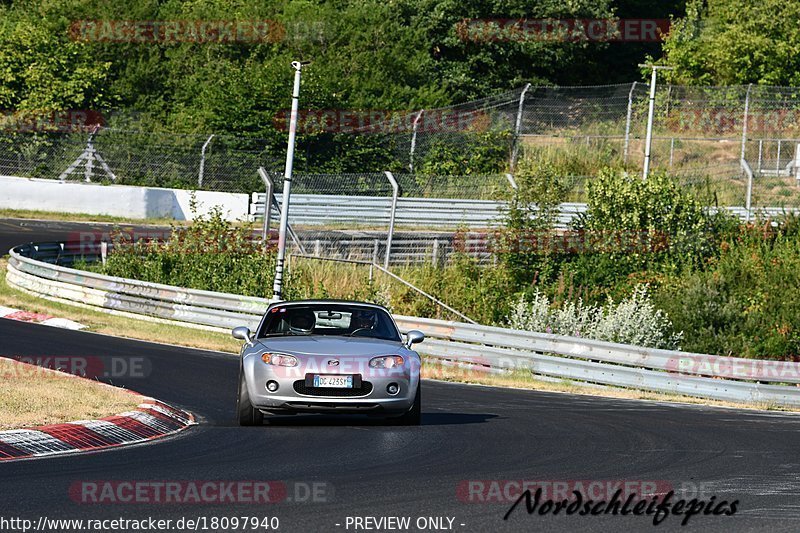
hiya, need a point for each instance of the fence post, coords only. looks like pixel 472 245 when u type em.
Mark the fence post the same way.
pixel 435 252
pixel 628 122
pixel 203 162
pixel 518 127
pixel 778 160
pixel 797 162
pixel 744 121
pixel 760 153
pixel 375 247
pixel 749 194
pixel 651 111
pixel 414 140
pixel 511 181
pixel 395 194
pixel 269 188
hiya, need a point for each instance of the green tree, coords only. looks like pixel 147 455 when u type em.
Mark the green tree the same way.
pixel 722 42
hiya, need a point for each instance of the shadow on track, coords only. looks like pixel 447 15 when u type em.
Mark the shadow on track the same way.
pixel 311 420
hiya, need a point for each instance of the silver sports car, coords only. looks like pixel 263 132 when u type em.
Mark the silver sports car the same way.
pixel 328 356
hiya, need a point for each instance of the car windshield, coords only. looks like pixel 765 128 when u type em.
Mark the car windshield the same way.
pixel 329 319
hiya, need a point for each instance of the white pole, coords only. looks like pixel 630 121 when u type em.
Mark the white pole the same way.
pixel 628 123
pixel 744 122
pixel 518 127
pixel 650 114
pixel 277 288
pixel 414 141
pixel 390 235
pixel 202 171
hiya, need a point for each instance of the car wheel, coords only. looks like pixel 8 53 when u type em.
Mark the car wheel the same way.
pixel 412 417
pixel 247 414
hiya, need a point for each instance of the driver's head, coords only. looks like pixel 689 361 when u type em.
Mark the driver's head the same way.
pixel 363 320
pixel 302 321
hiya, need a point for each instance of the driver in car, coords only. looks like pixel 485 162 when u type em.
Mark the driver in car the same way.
pixel 363 321
pixel 302 323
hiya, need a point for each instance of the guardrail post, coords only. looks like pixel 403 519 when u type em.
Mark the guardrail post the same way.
pixel 395 194
pixel 518 127
pixel 435 252
pixel 269 188
pixel 203 162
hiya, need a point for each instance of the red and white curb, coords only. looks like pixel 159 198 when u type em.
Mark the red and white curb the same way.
pixel 38 318
pixel 152 419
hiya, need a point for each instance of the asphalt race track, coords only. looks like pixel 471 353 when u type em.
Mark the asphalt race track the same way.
pixel 364 468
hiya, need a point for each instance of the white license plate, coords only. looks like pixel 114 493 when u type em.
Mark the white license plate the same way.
pixel 338 382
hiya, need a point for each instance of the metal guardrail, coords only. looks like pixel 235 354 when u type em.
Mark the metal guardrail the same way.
pixel 437 213
pixel 551 356
pixel 440 213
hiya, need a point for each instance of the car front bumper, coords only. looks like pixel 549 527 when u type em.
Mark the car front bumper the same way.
pixel 293 394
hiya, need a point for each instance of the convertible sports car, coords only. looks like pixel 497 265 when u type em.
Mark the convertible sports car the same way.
pixel 328 356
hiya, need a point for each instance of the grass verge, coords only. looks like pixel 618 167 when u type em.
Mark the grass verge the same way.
pixel 35 396
pixel 81 217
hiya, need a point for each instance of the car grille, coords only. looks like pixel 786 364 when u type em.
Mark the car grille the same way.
pixel 301 388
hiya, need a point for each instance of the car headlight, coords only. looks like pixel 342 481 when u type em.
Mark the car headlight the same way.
pixel 386 361
pixel 279 359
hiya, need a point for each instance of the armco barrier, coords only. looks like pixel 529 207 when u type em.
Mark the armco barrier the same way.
pixel 436 213
pixel 552 356
pixel 439 213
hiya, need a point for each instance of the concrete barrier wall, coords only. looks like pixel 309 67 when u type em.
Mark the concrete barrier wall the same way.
pixel 116 200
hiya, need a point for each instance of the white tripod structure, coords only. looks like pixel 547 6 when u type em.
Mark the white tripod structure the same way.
pixel 87 158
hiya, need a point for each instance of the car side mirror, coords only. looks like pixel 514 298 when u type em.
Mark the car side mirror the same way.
pixel 413 337
pixel 242 333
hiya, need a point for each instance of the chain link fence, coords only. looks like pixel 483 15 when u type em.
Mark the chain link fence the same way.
pixel 700 136
pixel 387 218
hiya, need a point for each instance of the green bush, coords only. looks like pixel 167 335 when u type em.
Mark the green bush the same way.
pixel 210 254
pixel 746 302
pixel 634 320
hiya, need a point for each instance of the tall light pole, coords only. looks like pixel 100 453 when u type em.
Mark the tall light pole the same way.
pixel 277 288
pixel 651 111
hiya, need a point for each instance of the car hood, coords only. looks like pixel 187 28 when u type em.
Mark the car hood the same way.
pixel 323 345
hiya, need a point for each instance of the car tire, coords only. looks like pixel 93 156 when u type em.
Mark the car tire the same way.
pixel 247 414
pixel 412 417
